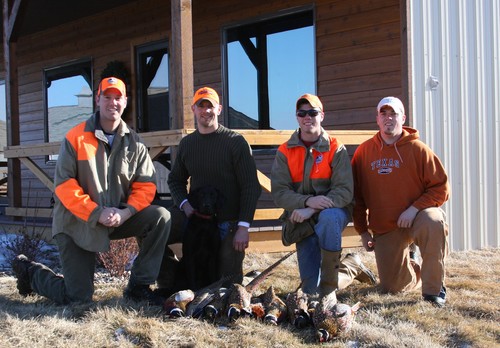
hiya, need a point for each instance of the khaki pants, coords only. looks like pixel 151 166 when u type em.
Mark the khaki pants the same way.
pixel 430 233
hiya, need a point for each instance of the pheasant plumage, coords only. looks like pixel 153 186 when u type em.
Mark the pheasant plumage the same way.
pixel 257 308
pixel 205 296
pixel 215 308
pixel 333 319
pixel 298 308
pixel 175 305
pixel 274 306
pixel 238 302
pixel 240 296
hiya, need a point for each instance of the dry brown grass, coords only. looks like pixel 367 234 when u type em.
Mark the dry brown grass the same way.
pixel 470 319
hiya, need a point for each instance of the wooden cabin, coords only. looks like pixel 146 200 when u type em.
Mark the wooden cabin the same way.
pixel 259 55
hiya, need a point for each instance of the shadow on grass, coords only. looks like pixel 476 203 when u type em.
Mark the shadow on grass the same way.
pixel 35 306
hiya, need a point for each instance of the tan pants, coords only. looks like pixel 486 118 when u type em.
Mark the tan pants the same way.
pixel 430 233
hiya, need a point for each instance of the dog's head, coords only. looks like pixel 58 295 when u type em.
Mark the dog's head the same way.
pixel 207 200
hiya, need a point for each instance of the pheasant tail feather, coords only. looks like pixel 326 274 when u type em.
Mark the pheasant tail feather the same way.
pixel 265 273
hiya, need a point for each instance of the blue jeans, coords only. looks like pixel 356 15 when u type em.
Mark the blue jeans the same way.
pixel 225 227
pixel 328 236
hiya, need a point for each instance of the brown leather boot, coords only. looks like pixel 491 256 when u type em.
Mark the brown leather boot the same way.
pixel 352 261
pixel 330 264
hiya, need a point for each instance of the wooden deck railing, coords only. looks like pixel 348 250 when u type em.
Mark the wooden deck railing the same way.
pixel 267 239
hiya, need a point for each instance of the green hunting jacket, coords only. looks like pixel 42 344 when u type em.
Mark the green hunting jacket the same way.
pixel 299 172
pixel 91 175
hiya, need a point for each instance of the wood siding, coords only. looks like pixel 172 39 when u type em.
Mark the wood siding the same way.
pixel 358 56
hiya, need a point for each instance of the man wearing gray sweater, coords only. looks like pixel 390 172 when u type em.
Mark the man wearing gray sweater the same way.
pixel 217 156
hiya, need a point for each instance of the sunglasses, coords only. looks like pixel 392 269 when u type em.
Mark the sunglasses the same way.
pixel 311 112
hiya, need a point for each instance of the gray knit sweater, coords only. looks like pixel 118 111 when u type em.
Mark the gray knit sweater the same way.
pixel 224 160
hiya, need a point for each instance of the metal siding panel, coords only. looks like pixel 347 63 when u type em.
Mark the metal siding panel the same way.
pixel 456 42
pixel 492 111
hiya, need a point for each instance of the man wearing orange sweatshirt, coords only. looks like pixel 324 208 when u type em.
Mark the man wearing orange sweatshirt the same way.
pixel 399 186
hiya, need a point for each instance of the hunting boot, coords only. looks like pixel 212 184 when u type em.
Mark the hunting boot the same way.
pixel 23 269
pixel 352 268
pixel 330 264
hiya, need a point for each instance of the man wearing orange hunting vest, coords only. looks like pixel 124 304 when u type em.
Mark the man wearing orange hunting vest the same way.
pixel 311 179
pixel 104 186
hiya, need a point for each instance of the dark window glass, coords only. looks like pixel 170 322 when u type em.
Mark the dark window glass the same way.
pixel 152 82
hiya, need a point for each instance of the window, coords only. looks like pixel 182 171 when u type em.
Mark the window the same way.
pixel 268 65
pixel 152 82
pixel 69 99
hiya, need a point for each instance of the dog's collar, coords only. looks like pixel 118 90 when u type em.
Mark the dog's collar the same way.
pixel 203 216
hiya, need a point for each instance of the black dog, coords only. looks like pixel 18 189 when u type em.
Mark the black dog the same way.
pixel 201 242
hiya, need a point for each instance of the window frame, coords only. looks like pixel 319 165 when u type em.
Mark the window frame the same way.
pixel 142 119
pixel 65 70
pixel 272 22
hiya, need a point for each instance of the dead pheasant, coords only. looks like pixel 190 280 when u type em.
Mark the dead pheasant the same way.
pixel 175 305
pixel 239 299
pixel 215 307
pixel 333 319
pixel 257 309
pixel 205 296
pixel 298 308
pixel 238 302
pixel 274 306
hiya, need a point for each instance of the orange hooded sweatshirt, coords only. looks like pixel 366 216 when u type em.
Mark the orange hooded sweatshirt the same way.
pixel 390 178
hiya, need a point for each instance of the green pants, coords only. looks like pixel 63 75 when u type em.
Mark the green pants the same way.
pixel 151 227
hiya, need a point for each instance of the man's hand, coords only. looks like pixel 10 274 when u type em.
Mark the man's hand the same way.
pixel 300 215
pixel 121 215
pixel 106 216
pixel 241 239
pixel 406 218
pixel 319 202
pixel 188 209
pixel 114 217
pixel 367 240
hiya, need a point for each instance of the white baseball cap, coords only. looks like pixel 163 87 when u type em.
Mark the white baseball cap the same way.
pixel 394 103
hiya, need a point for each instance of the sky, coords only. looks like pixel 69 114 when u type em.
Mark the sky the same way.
pixel 63 92
pixel 286 84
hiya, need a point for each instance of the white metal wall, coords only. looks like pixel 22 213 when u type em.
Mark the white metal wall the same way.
pixel 455 86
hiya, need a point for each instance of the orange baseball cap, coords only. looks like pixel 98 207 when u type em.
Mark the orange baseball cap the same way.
pixel 311 99
pixel 112 82
pixel 206 93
